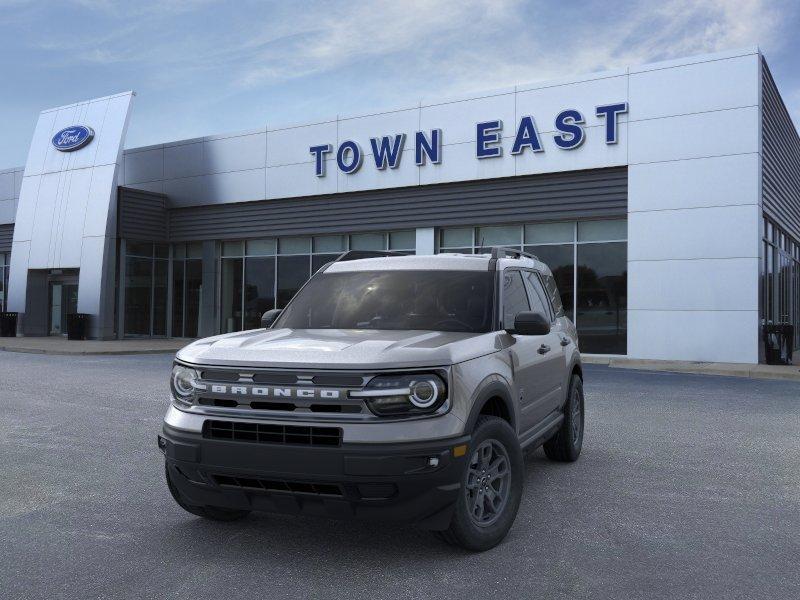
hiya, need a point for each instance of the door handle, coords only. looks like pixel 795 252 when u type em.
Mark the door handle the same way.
pixel 565 341
pixel 543 349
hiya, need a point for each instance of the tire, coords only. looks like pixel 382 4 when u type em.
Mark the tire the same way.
pixel 214 513
pixel 565 445
pixel 476 524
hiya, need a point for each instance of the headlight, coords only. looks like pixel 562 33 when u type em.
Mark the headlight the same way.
pixel 398 395
pixel 182 383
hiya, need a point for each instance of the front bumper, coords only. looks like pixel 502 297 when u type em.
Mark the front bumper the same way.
pixel 409 482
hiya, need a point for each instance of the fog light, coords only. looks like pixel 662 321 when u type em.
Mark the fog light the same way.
pixel 433 461
pixel 162 444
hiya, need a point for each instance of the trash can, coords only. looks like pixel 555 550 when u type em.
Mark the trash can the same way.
pixel 778 343
pixel 8 324
pixel 77 324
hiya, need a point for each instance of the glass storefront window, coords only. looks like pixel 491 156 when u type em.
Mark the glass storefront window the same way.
pixel 231 297
pixel 561 260
pixel 594 294
pixel 403 240
pixel 138 295
pixel 194 287
pixel 320 260
pixel 232 248
pixel 194 250
pixel 330 243
pixel 602 231
pixel 187 281
pixel 456 237
pixel 602 299
pixel 259 290
pixel 160 286
pixel 507 235
pixel 178 291
pixel 293 272
pixel 550 233
pixel 253 279
pixel 4 263
pixel 5 259
pixel 368 241
pixel 780 282
pixel 146 288
pixel 143 249
pixel 261 247
pixel 294 245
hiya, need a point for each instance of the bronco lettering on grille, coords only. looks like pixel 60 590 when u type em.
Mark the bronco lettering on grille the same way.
pixel 275 392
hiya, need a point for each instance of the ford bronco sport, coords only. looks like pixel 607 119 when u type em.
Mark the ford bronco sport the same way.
pixel 393 387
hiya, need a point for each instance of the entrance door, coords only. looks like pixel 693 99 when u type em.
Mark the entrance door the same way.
pixel 58 322
pixel 63 297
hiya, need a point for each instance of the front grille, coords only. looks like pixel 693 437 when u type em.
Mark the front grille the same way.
pixel 339 380
pixel 329 407
pixel 267 433
pixel 279 485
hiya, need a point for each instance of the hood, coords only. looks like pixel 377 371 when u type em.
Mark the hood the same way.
pixel 339 348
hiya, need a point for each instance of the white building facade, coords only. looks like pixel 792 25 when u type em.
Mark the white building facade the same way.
pixel 665 198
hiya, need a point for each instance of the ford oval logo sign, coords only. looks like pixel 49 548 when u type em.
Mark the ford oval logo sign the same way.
pixel 72 138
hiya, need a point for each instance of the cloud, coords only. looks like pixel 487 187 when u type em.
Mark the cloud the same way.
pixel 468 45
pixel 639 35
pixel 456 43
pixel 380 28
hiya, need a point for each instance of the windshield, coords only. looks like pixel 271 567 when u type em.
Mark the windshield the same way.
pixel 431 300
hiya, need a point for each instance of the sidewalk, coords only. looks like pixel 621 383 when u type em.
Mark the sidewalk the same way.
pixel 752 371
pixel 60 345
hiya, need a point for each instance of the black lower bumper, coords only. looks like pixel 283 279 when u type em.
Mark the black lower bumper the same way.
pixel 408 482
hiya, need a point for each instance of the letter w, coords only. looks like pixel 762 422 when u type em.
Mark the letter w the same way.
pixel 388 152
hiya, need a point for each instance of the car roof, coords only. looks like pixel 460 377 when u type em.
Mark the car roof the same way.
pixel 433 262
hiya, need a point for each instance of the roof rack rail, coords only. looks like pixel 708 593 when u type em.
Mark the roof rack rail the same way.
pixel 506 252
pixel 359 254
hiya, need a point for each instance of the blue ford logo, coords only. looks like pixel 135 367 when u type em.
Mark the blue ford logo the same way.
pixel 72 138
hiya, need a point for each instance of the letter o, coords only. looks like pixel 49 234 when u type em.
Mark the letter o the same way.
pixel 349 157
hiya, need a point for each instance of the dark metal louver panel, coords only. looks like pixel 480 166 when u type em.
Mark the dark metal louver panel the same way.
pixel 780 159
pixel 6 237
pixel 142 215
pixel 593 193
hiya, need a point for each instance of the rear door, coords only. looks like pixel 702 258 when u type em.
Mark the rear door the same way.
pixel 555 357
pixel 529 361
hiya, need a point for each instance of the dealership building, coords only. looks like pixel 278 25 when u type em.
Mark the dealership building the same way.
pixel 665 198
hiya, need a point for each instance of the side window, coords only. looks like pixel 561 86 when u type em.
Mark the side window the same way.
pixel 553 294
pixel 515 300
pixel 536 294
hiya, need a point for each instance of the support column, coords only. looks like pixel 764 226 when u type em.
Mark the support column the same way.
pixel 426 240
pixel 208 294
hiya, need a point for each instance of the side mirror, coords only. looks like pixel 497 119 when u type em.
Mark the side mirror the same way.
pixel 268 318
pixel 531 323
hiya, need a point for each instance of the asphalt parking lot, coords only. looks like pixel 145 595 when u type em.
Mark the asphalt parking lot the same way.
pixel 688 487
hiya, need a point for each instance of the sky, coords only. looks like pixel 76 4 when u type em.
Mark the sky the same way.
pixel 203 67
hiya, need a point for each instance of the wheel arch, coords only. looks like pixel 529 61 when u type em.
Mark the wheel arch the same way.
pixel 577 369
pixel 494 399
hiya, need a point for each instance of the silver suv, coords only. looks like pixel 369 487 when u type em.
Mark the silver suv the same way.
pixel 391 387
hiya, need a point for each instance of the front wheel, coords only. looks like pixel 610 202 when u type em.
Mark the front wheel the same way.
pixel 565 445
pixel 491 488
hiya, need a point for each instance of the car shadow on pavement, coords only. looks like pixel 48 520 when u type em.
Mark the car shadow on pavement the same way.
pixel 290 537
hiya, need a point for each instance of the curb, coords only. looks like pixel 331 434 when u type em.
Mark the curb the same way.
pixel 748 371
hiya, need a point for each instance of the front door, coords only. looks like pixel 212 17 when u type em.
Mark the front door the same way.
pixel 536 359
pixel 63 300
